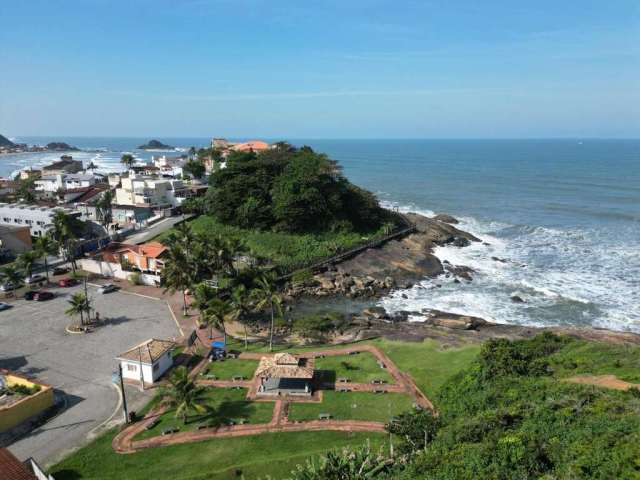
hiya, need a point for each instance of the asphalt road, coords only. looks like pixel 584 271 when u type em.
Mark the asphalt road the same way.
pixel 33 341
pixel 156 229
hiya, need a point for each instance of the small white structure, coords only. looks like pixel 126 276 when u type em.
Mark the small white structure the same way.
pixel 147 362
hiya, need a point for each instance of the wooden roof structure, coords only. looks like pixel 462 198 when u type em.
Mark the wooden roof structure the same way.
pixel 284 365
pixel 148 351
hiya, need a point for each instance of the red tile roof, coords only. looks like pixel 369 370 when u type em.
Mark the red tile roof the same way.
pixel 13 469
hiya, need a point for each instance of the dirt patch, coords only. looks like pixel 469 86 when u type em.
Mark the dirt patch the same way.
pixel 605 381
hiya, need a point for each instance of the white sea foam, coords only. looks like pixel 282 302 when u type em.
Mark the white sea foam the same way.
pixel 568 277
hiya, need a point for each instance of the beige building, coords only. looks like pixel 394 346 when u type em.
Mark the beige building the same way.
pixel 145 191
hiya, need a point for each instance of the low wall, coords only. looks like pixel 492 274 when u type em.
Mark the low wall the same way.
pixel 114 270
pixel 27 407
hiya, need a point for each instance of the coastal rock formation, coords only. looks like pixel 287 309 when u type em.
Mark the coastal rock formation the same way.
pixel 5 142
pixel 397 264
pixel 60 147
pixel 443 217
pixel 155 145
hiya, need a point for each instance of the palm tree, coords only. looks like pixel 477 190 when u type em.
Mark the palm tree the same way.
pixel 183 394
pixel 104 209
pixel 128 160
pixel 239 309
pixel 46 246
pixel 11 275
pixel 178 273
pixel 63 233
pixel 79 304
pixel 268 296
pixel 26 261
pixel 92 166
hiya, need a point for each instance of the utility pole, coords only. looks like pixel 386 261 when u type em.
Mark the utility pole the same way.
pixel 124 398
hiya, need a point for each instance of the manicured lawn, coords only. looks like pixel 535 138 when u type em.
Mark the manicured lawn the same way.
pixel 360 368
pixel 226 404
pixel 257 456
pixel 232 367
pixel 283 249
pixel 428 364
pixel 378 407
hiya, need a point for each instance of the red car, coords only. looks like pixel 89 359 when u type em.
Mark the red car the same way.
pixel 42 296
pixel 67 282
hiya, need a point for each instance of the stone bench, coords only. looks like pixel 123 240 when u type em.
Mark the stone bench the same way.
pixel 324 416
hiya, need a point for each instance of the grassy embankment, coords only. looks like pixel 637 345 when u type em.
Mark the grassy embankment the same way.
pixel 285 250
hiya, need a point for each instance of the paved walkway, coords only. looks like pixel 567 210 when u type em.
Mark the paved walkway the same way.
pixel 124 443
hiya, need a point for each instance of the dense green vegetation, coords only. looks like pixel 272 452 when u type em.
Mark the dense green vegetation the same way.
pixel 510 415
pixel 291 190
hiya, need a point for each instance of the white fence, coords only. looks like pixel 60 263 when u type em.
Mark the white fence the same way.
pixel 114 270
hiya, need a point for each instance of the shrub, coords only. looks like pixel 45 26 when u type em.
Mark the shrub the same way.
pixel 135 278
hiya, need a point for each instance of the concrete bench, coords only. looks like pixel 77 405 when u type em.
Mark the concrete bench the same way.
pixel 378 381
pixel 324 416
pixel 237 378
pixel 382 365
pixel 343 390
pixel 343 380
pixel 379 391
pixel 170 430
pixel 354 353
pixel 319 356
pixel 149 426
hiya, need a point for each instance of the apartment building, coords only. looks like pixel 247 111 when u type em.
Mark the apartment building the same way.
pixel 38 219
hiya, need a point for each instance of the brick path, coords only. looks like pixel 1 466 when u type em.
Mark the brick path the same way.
pixel 124 443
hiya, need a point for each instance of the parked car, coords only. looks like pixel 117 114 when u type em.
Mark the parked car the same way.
pixel 7 287
pixel 67 282
pixel 34 279
pixel 30 295
pixel 5 306
pixel 107 287
pixel 42 296
pixel 60 270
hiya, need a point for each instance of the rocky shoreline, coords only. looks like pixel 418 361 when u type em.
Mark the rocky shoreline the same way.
pixel 398 264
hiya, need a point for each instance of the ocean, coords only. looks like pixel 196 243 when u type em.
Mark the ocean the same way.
pixel 563 215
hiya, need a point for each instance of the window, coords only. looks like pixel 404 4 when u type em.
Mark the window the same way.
pixel 132 368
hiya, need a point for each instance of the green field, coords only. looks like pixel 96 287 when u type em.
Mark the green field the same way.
pixel 283 249
pixel 232 367
pixel 360 368
pixel 225 404
pixel 378 407
pixel 256 456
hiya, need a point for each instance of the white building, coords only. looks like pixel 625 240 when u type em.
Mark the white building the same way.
pixel 148 361
pixel 51 184
pixel 39 219
pixel 169 166
pixel 146 191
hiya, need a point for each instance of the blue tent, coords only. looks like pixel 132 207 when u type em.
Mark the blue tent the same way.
pixel 218 345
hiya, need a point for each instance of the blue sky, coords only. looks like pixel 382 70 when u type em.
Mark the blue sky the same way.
pixel 325 68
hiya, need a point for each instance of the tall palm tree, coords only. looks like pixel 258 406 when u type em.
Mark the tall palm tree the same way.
pixel 78 305
pixel 27 260
pixel 239 309
pixel 178 273
pixel 128 160
pixel 216 314
pixel 45 246
pixel 104 208
pixel 11 275
pixel 63 233
pixel 268 296
pixel 183 394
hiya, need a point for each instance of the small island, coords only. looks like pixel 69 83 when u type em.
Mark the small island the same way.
pixel 60 147
pixel 155 145
pixel 7 146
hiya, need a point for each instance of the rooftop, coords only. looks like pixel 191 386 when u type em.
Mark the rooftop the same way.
pixel 284 365
pixel 12 468
pixel 148 351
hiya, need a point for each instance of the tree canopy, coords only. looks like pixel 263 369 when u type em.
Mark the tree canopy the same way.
pixel 289 189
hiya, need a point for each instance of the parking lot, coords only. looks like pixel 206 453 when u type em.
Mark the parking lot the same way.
pixel 33 341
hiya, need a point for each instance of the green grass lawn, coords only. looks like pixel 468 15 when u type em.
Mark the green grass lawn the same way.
pixel 283 249
pixel 378 407
pixel 361 368
pixel 582 357
pixel 225 403
pixel 428 364
pixel 232 367
pixel 257 456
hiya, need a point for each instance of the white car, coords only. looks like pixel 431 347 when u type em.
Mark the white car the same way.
pixel 107 287
pixel 34 279
pixel 7 287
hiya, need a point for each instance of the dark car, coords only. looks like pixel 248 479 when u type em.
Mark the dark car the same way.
pixel 42 296
pixel 60 270
pixel 31 294
pixel 67 282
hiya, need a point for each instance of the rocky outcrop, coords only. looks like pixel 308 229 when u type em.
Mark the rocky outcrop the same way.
pixel 60 147
pixel 443 217
pixel 155 145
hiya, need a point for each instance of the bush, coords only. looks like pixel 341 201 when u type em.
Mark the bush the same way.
pixel 135 278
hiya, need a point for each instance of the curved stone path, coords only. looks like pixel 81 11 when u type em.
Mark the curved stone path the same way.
pixel 124 442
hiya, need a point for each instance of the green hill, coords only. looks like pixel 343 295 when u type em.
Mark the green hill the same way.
pixel 5 142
